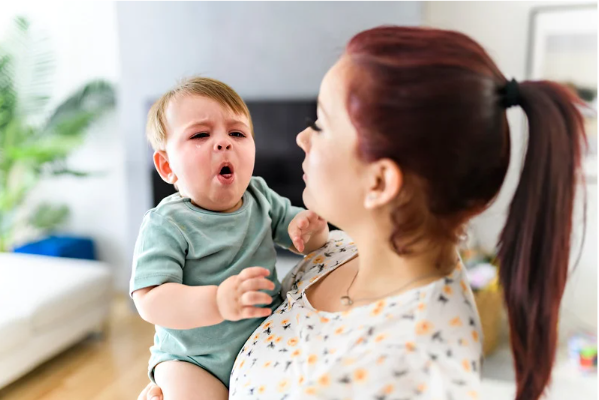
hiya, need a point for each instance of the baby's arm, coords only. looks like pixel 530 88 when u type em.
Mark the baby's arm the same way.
pixel 177 306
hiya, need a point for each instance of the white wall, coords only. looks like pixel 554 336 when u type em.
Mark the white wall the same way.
pixel 262 49
pixel 83 37
pixel 502 29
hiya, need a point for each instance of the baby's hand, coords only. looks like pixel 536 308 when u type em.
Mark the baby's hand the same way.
pixel 303 226
pixel 238 294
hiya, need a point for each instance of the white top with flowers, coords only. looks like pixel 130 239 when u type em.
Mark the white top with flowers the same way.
pixel 423 344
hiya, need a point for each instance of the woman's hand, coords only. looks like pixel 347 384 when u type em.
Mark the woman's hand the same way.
pixel 151 392
pixel 237 296
pixel 308 231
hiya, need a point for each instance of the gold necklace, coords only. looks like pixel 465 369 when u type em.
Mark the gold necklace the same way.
pixel 348 301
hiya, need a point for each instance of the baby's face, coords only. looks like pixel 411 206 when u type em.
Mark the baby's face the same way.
pixel 210 150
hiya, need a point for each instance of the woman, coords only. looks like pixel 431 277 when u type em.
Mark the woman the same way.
pixel 411 142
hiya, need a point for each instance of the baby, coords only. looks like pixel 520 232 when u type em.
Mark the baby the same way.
pixel 204 261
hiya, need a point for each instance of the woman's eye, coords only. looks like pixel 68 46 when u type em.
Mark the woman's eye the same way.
pixel 200 135
pixel 237 134
pixel 312 124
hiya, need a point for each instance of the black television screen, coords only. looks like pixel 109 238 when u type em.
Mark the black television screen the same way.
pixel 278 158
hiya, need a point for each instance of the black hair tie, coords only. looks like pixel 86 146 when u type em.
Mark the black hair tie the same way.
pixel 511 94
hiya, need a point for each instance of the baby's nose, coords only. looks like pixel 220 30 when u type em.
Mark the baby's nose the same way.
pixel 219 146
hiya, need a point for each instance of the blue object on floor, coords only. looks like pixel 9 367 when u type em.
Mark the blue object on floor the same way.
pixel 61 246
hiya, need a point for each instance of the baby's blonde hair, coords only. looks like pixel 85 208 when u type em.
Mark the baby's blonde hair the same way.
pixel 199 86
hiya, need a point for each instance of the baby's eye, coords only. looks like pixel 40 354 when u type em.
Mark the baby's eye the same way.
pixel 237 134
pixel 200 135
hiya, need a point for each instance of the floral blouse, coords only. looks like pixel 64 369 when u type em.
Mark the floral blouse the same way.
pixel 423 344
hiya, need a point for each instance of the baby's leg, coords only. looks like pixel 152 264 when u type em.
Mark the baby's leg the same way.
pixel 180 380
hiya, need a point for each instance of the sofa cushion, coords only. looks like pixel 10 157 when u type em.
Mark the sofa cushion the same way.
pixel 51 289
pixel 14 328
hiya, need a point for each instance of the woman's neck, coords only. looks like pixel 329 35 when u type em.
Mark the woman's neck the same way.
pixel 381 269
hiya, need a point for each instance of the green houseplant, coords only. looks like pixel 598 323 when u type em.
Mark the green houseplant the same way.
pixel 36 137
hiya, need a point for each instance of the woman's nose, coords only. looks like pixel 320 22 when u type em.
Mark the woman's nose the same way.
pixel 302 139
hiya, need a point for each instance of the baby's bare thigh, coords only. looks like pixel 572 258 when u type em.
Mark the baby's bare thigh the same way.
pixel 180 380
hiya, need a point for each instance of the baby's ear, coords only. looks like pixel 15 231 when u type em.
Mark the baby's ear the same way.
pixel 163 167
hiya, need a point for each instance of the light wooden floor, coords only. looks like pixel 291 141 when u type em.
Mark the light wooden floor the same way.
pixel 112 366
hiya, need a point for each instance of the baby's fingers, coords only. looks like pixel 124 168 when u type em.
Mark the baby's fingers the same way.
pixel 253 298
pixel 255 284
pixel 254 312
pixel 253 272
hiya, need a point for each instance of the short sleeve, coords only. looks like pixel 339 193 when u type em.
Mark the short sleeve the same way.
pixel 281 213
pixel 159 255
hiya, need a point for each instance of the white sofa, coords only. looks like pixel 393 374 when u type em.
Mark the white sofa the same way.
pixel 46 305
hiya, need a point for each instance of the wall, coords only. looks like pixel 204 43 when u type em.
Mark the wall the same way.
pixel 262 49
pixel 502 29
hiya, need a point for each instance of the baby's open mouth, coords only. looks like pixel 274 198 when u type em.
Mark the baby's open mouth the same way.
pixel 226 173
pixel 226 170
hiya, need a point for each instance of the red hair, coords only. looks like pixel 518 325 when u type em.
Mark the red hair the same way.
pixel 433 102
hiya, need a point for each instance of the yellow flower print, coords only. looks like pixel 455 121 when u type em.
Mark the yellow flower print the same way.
pixel 473 395
pixel 283 386
pixel 278 340
pixel 455 322
pixel 284 322
pixel 242 364
pixel 311 390
pixel 380 304
pixel 296 353
pixel 360 375
pixel 266 325
pixel 324 380
pixel 381 360
pixel 410 346
pixel 466 365
pixel 318 260
pixel 360 340
pixel 339 330
pixel 475 336
pixel 346 313
pixel 376 311
pixel 421 307
pixel 332 351
pixel 261 389
pixel 423 327
pixel 324 320
pixel 464 286
pixel 270 338
pixel 300 381
pixel 256 336
pixel 292 342
pixel 300 283
pixel 312 359
pixel 313 278
pixel 463 342
pixel 267 364
pixel 380 337
pixel 309 256
pixel 388 389
pixel 448 290
pixel 421 388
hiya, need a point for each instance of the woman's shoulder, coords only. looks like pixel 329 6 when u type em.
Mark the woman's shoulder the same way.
pixel 338 249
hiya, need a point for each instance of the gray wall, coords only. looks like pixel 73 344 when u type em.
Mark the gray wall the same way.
pixel 262 49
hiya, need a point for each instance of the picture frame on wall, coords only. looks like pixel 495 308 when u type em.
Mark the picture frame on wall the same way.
pixel 562 47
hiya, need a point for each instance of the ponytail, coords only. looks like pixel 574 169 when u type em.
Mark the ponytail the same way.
pixel 534 245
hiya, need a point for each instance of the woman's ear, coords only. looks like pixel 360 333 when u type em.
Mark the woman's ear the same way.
pixel 385 181
pixel 163 167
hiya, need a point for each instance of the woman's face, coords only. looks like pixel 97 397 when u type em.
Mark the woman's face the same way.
pixel 333 172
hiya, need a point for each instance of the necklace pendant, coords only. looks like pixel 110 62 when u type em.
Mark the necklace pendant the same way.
pixel 346 301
